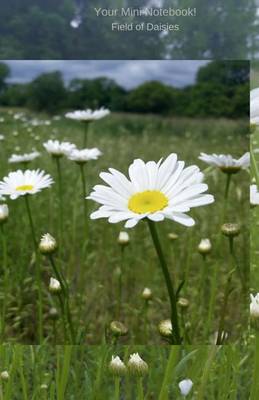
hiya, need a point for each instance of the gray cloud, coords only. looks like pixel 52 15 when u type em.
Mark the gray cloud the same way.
pixel 127 73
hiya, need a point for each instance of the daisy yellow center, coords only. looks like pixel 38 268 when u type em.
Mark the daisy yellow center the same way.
pixel 147 202
pixel 24 188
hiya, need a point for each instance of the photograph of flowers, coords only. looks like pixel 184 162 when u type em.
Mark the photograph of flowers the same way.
pixel 124 216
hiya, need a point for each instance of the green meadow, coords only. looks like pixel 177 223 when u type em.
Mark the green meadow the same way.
pixel 97 271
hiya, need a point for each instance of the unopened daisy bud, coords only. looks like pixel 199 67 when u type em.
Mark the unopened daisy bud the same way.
pixel 183 303
pixel 254 306
pixel 172 236
pixel 165 328
pixel 4 376
pixel 204 246
pixel 4 213
pixel 53 313
pixel 44 386
pixel 147 294
pixel 54 286
pixel 123 238
pixel 117 366
pixel 185 387
pixel 230 230
pixel 118 328
pixel 137 366
pixel 47 244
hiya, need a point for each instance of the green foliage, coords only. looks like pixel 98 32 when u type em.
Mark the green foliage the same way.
pixel 4 73
pixel 82 372
pixel 225 29
pixel 154 97
pixel 47 92
pixel 221 90
pixel 93 277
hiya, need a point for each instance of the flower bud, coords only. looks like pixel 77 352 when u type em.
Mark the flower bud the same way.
pixel 117 366
pixel 47 244
pixel 4 213
pixel 183 303
pixel 54 286
pixel 118 328
pixel 165 328
pixel 123 238
pixel 147 294
pixel 53 313
pixel 230 230
pixel 4 376
pixel 137 366
pixel 44 386
pixel 185 386
pixel 254 306
pixel 172 236
pixel 204 246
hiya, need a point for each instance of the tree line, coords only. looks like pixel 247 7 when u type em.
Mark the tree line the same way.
pixel 41 29
pixel 221 90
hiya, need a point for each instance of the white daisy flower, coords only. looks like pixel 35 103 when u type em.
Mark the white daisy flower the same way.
pixel 20 183
pixel 82 156
pixel 254 106
pixel 254 195
pixel 88 115
pixel 155 191
pixel 23 158
pixel 225 162
pixel 58 149
pixel 185 387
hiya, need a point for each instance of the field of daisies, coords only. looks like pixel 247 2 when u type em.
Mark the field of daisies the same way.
pixel 123 229
pixel 127 372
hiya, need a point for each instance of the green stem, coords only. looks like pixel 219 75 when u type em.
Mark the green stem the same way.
pixel 212 351
pixel 82 172
pixel 169 284
pixel 27 203
pixel 255 383
pixel 86 129
pixel 203 283
pixel 117 388
pixel 120 278
pixel 63 315
pixel 38 271
pixel 228 181
pixel 65 291
pixel 60 193
pixel 140 390
pixel 5 281
pixel 168 376
pixel 145 317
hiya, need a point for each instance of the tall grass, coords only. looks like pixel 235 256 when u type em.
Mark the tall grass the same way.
pixel 91 269
pixel 81 372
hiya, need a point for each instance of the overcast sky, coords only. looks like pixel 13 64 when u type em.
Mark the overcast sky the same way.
pixel 126 73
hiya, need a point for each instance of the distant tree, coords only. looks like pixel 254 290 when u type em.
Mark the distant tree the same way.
pixel 41 29
pixel 96 93
pixel 15 95
pixel 154 97
pixel 228 73
pixel 47 93
pixel 4 73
